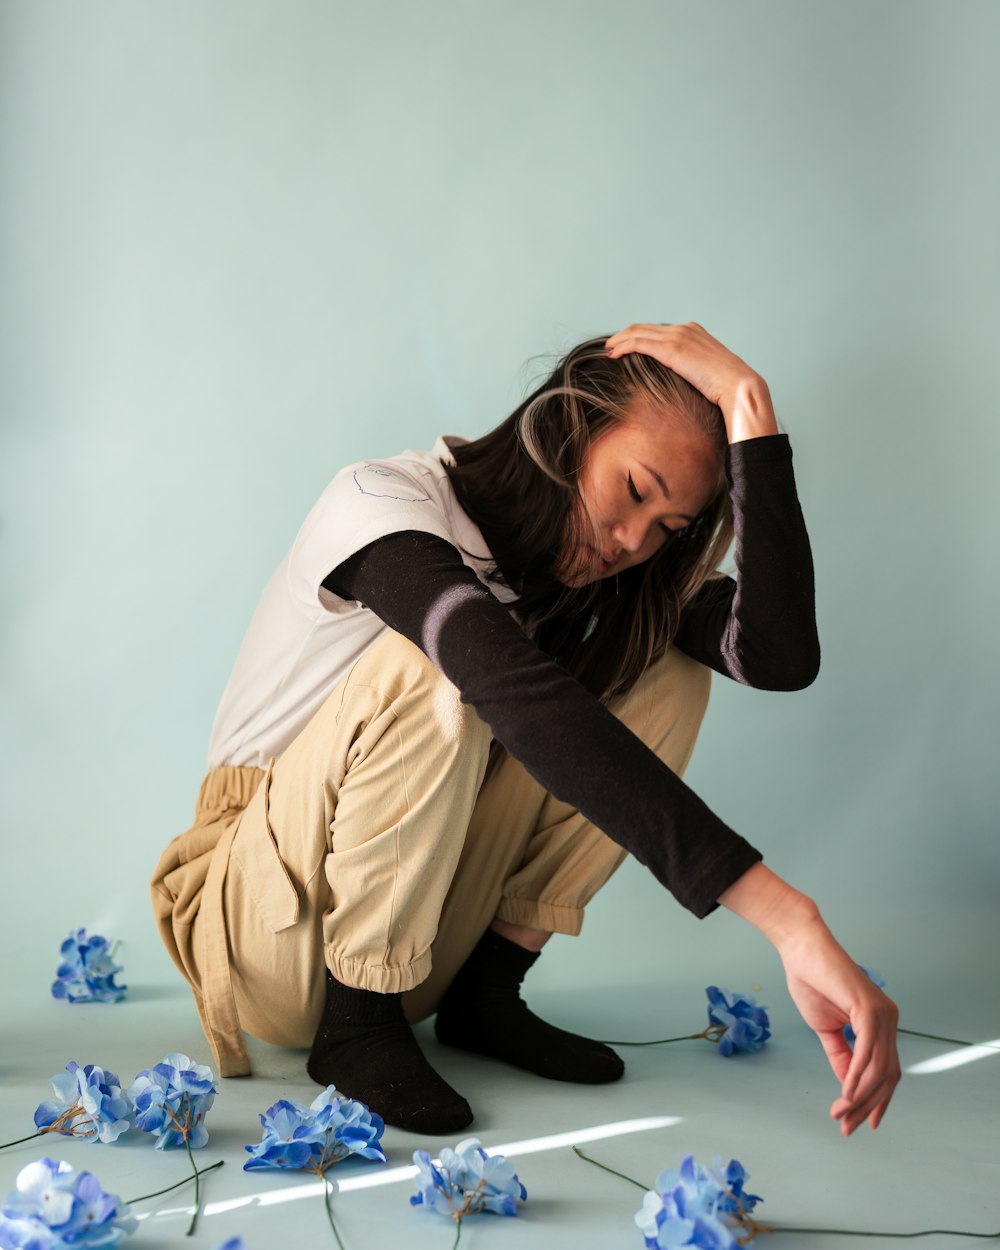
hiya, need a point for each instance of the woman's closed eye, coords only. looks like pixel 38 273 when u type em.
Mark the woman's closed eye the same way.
pixel 633 490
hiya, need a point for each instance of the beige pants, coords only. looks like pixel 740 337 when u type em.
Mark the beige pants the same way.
pixel 381 845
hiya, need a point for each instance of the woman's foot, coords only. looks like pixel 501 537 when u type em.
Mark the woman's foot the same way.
pixel 365 1047
pixel 482 1011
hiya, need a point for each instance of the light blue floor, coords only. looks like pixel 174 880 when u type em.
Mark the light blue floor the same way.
pixel 934 1164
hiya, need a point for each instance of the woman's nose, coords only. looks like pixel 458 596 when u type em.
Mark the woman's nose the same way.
pixel 629 536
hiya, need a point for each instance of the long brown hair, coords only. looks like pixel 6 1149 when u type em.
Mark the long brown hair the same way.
pixel 519 484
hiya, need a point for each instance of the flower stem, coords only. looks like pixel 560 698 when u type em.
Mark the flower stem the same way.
pixel 31 1136
pixel 956 1041
pixel 327 1195
pixel 690 1037
pixel 58 1125
pixel 660 1041
pixel 853 1232
pixel 604 1167
pixel 771 1228
pixel 197 1187
pixel 458 1232
pixel 177 1184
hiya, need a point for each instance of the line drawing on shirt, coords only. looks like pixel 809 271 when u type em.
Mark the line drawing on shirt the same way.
pixel 378 494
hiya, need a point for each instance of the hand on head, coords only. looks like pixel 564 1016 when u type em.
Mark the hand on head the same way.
pixel 710 367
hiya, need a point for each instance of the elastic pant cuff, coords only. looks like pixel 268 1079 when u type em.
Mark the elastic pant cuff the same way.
pixel 382 978
pixel 537 914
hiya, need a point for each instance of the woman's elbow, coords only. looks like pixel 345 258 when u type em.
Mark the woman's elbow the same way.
pixel 801 678
pixel 797 672
pixel 783 671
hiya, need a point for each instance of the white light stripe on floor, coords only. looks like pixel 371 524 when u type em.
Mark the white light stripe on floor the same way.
pixel 955 1058
pixel 389 1176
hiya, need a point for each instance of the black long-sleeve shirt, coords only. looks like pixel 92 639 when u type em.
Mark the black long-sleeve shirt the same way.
pixel 759 630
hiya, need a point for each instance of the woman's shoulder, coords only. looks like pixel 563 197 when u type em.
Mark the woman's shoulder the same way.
pixel 369 499
pixel 411 476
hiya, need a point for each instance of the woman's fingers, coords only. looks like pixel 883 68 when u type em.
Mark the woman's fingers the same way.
pixel 871 1109
pixel 870 1103
pixel 871 1076
pixel 830 990
pixel 710 367
pixel 860 1063
pixel 875 1055
pixel 688 349
pixel 853 1105
pixel 838 1052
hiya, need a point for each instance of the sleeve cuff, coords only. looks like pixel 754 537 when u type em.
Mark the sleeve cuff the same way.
pixel 768 447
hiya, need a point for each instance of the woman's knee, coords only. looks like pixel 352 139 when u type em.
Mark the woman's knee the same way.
pixel 691 681
pixel 418 690
pixel 668 703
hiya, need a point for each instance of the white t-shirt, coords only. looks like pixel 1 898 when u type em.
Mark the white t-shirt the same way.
pixel 302 638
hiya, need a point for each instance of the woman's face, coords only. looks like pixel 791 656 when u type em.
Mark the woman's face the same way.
pixel 645 478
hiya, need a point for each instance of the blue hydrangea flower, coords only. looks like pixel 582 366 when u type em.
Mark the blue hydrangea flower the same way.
pixel 54 1206
pixel 234 1243
pixel 317 1136
pixel 87 972
pixel 876 979
pixel 467 1180
pixel 736 1200
pixel 172 1101
pixel 89 1103
pixel 736 1022
pixel 694 1205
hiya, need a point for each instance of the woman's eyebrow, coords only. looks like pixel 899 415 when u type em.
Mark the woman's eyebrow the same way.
pixel 657 478
pixel 666 490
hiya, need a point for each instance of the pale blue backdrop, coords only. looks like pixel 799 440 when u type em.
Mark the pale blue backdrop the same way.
pixel 246 243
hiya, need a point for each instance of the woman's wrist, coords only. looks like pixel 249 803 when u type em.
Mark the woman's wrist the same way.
pixel 770 904
pixel 750 413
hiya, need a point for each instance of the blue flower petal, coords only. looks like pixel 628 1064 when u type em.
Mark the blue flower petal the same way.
pixel 53 1206
pixel 467 1180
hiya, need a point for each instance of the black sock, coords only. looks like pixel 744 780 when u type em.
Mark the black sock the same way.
pixel 482 1011
pixel 365 1047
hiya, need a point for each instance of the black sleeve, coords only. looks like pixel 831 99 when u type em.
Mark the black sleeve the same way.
pixel 566 739
pixel 761 629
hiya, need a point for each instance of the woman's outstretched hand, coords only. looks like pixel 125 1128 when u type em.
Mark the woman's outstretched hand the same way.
pixel 830 990
pixel 709 366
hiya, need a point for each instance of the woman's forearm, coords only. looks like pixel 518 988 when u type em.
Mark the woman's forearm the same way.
pixel 761 630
